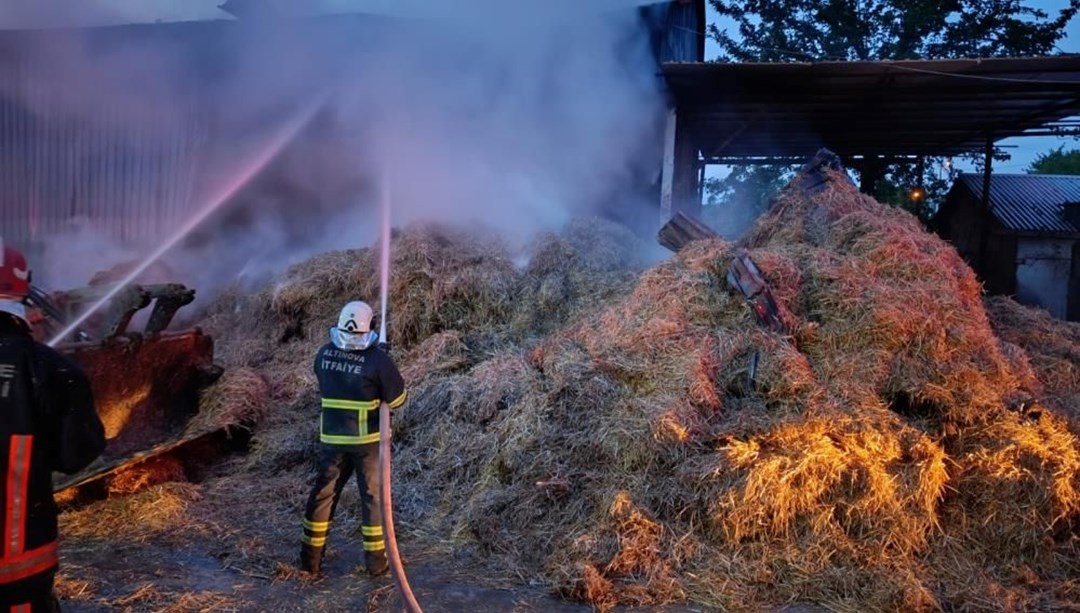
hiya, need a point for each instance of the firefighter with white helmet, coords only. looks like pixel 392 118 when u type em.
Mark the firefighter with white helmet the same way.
pixel 355 374
pixel 48 422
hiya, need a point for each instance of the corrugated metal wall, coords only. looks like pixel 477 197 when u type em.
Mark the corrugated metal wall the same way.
pixel 129 172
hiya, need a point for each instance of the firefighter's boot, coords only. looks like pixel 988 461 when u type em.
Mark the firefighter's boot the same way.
pixel 376 563
pixel 310 558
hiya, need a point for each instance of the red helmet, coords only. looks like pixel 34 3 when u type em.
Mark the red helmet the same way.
pixel 14 273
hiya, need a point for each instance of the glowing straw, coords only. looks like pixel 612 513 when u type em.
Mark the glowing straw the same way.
pixel 222 195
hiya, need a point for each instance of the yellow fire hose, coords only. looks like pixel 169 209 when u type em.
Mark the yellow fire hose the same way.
pixel 394 556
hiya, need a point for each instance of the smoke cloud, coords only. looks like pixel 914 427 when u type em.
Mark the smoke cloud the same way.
pixel 512 116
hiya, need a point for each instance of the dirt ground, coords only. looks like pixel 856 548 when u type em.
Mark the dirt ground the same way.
pixel 159 577
pixel 205 560
pixel 201 560
pixel 163 579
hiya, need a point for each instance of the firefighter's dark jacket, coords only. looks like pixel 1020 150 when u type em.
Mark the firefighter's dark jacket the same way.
pixel 352 383
pixel 48 422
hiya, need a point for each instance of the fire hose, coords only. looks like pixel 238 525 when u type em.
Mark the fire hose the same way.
pixel 385 500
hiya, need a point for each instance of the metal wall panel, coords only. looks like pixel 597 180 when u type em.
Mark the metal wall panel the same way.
pixel 68 155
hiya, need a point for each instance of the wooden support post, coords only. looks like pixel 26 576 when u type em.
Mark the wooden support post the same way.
pixel 679 188
pixel 667 179
pixel 872 171
pixel 685 196
pixel 987 212
pixel 701 182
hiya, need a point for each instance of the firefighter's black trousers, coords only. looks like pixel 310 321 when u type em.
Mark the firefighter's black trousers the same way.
pixel 34 595
pixel 335 468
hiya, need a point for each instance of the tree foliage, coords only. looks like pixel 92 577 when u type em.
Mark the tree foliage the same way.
pixel 786 30
pixel 752 186
pixel 818 30
pixel 1056 162
pixel 732 202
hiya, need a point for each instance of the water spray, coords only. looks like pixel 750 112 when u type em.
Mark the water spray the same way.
pixel 384 411
pixel 384 256
pixel 218 197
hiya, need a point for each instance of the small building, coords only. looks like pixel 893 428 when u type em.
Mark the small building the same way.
pixel 1023 242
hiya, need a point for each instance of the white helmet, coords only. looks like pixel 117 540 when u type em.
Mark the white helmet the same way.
pixel 353 331
pixel 355 317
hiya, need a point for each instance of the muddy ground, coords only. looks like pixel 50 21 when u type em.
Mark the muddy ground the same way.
pixel 159 577
pixel 210 559
pixel 214 559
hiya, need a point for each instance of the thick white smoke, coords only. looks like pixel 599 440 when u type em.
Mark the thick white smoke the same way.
pixel 510 115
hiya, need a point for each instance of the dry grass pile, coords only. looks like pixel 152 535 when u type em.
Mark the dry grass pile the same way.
pixel 239 399
pixel 150 597
pixel 588 263
pixel 886 306
pixel 456 299
pixel 444 279
pixel 634 459
pixel 150 472
pixel 152 513
pixel 650 443
pixel 1052 349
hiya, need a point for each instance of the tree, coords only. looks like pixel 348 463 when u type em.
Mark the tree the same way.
pixel 785 30
pixel 1056 162
pixel 733 202
pixel 753 186
pixel 801 30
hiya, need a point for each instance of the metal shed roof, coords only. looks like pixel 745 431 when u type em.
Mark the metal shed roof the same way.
pixel 734 111
pixel 1028 203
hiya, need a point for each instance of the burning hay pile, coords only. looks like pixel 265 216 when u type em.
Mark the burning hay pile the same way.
pixel 639 438
pixel 881 457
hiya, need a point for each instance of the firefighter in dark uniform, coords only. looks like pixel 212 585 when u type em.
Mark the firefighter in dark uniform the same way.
pixel 355 375
pixel 48 422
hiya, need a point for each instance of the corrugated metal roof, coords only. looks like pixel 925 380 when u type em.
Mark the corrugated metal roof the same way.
pixel 1028 203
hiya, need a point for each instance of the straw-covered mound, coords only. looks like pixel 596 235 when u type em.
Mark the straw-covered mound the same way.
pixel 586 264
pixel 878 458
pixel 456 299
pixel 1049 347
pixel 641 439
